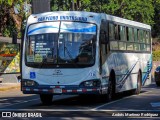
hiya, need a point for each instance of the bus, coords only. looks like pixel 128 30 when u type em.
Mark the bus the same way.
pixel 84 53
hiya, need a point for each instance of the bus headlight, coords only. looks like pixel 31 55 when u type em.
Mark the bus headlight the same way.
pixel 91 83
pixel 29 83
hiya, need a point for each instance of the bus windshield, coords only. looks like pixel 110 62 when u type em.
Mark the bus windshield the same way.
pixel 61 43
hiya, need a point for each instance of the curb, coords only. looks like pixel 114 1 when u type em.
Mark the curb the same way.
pixel 9 88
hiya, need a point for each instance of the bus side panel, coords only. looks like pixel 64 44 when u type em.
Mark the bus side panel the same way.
pixel 126 67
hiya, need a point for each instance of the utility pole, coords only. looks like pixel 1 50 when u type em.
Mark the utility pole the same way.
pixel 39 6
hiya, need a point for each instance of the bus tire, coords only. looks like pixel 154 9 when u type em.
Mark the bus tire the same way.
pixel 111 88
pixel 46 99
pixel 139 84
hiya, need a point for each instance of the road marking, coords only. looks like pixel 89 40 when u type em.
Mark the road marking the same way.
pixel 117 101
pixel 92 109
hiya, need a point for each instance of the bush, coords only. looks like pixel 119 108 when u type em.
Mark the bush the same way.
pixel 156 55
pixel 6 32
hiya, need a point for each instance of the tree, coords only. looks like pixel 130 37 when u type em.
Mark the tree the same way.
pixel 9 21
pixel 129 9
pixel 145 11
pixel 156 27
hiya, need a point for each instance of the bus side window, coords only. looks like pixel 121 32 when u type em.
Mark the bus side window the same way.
pixel 114 42
pixel 130 38
pixel 117 32
pixel 136 42
pixel 148 41
pixel 122 42
pixel 111 31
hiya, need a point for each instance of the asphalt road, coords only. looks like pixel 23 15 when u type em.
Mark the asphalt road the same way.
pixel 126 105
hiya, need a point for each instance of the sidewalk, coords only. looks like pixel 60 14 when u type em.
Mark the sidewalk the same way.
pixel 9 86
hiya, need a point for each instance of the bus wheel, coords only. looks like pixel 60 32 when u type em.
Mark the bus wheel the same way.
pixel 139 84
pixel 111 91
pixel 46 99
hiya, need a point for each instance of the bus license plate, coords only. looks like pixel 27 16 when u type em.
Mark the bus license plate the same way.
pixel 57 90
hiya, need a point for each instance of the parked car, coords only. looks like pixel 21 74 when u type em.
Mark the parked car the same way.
pixel 157 76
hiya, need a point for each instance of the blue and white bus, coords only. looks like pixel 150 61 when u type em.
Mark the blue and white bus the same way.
pixel 75 52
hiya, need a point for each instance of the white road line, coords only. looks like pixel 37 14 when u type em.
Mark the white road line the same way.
pixel 93 109
pixel 118 100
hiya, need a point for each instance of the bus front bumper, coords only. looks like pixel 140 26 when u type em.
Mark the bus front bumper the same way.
pixel 61 90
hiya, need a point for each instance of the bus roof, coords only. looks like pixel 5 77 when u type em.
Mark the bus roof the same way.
pixel 126 21
pixel 82 16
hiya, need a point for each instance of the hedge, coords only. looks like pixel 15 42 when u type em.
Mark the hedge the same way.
pixel 156 55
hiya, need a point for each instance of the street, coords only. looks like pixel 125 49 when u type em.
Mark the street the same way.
pixel 72 106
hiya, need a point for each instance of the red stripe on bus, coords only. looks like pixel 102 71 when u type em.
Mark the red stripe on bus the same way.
pixel 31 89
pixel 51 90
pixel 64 91
pixel 57 86
pixel 84 90
pixel 40 90
pixel 94 89
pixel 74 90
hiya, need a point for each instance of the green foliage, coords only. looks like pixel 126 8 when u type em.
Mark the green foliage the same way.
pixel 10 21
pixel 145 11
pixel 156 27
pixel 11 2
pixel 156 55
pixel 6 32
pixel 137 10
